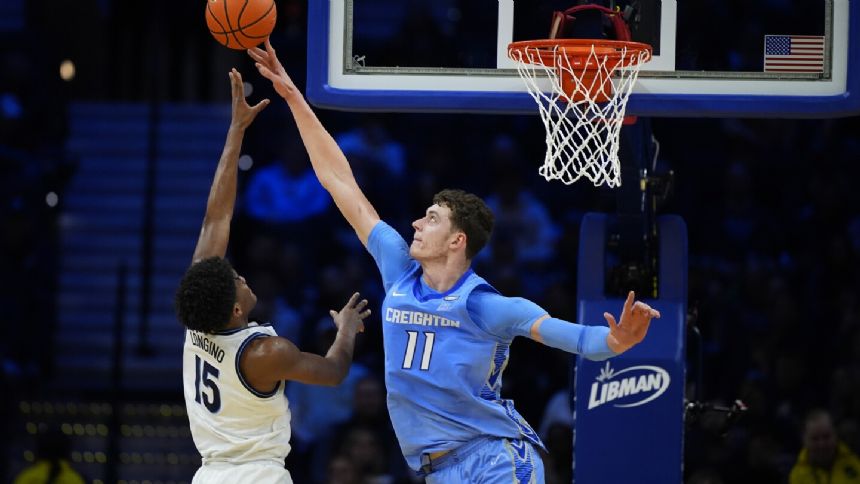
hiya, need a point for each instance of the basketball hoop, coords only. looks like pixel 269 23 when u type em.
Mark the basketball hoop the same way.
pixel 584 111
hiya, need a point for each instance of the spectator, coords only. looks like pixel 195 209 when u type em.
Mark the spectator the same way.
pixel 316 409
pixel 52 461
pixel 286 190
pixel 369 413
pixel 824 458
pixel 362 447
pixel 341 470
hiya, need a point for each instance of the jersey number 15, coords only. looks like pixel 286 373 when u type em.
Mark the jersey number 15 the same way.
pixel 207 375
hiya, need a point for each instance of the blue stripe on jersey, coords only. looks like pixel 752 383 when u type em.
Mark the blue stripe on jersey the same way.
pixel 525 429
pixel 245 383
pixel 492 387
pixel 522 459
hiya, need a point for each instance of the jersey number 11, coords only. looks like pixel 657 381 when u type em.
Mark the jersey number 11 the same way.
pixel 409 357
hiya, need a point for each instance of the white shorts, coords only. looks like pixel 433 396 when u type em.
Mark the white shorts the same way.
pixel 247 473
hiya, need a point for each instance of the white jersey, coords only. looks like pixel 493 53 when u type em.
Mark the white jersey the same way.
pixel 230 421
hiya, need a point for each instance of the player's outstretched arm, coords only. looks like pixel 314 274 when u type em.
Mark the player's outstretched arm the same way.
pixel 330 164
pixel 270 360
pixel 596 342
pixel 215 232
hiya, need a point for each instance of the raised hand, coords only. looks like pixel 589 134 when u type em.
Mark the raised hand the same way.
pixel 270 68
pixel 351 316
pixel 635 319
pixel 243 114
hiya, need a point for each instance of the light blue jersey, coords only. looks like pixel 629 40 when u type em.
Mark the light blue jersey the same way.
pixel 444 356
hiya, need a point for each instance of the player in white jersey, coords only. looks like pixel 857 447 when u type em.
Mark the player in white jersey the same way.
pixel 233 369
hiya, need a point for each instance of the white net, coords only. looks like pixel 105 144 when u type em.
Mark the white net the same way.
pixel 584 111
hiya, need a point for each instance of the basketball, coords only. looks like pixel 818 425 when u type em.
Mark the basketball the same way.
pixel 240 24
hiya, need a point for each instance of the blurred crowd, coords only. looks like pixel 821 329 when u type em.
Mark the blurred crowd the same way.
pixel 771 206
pixel 774 229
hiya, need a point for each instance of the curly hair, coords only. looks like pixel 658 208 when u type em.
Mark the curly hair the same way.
pixel 471 215
pixel 206 294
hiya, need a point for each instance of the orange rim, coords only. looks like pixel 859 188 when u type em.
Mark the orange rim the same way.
pixel 578 51
pixel 595 70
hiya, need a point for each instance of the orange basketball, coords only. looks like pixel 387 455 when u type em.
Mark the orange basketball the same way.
pixel 241 24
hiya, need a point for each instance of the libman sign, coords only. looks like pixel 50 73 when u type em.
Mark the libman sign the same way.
pixel 629 387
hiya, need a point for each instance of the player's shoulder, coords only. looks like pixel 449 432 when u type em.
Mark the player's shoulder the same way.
pixel 262 328
pixel 260 337
pixel 263 352
pixel 382 229
pixel 481 289
pixel 262 345
pixel 486 297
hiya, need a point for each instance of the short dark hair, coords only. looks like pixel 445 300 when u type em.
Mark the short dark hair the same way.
pixel 471 215
pixel 815 415
pixel 206 294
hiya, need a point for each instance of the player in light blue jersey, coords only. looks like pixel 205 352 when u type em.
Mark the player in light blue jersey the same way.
pixel 446 331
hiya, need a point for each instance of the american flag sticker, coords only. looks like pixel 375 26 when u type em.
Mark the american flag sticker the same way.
pixel 794 53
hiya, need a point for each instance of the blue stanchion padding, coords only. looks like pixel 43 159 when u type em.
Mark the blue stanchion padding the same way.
pixel 629 410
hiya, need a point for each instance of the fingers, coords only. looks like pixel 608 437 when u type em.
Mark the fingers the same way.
pixel 610 319
pixel 641 321
pixel 635 319
pixel 628 304
pixel 265 72
pixel 234 83
pixel 650 312
pixel 361 311
pixel 357 306
pixel 240 86
pixel 260 106
pixel 258 54
pixel 271 57
pixel 351 303
pixel 645 310
pixel 362 316
pixel 643 330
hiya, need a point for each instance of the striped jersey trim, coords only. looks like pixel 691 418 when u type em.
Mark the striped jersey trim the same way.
pixel 227 332
pixel 245 384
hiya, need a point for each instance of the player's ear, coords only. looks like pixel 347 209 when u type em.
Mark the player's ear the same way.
pixel 459 240
pixel 237 310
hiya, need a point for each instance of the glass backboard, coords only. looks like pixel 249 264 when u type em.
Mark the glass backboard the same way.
pixel 774 58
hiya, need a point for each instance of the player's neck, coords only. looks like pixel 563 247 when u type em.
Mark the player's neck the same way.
pixel 441 275
pixel 236 323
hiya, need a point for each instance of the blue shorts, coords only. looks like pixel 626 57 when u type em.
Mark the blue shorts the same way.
pixel 489 461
